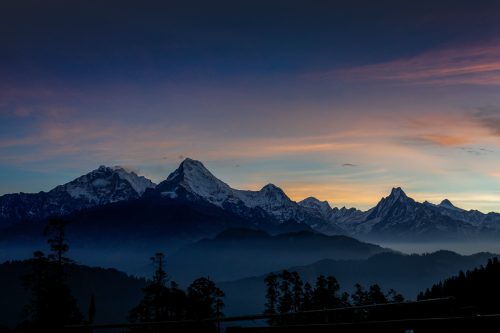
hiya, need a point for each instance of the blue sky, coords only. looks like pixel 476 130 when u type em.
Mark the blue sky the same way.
pixel 337 99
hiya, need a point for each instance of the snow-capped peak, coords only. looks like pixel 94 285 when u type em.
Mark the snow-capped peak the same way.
pixel 139 183
pixel 447 204
pixel 101 186
pixel 272 190
pixel 322 207
pixel 313 202
pixel 106 184
pixel 195 179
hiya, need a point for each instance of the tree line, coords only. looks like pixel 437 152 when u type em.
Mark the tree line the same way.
pixel 475 291
pixel 286 292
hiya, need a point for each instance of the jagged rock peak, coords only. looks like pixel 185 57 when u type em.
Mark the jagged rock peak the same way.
pixel 271 188
pixel 190 167
pixel 398 192
pixel 314 202
pixel 446 203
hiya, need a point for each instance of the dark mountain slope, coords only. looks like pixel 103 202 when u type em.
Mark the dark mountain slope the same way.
pixel 236 253
pixel 115 292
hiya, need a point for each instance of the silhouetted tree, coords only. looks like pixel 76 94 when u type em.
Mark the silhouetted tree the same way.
pixel 297 291
pixel 37 311
pixel 286 299
pixel 375 295
pixel 344 299
pixel 159 302
pixel 360 295
pixel 325 293
pixel 272 293
pixel 286 292
pixel 476 290
pixel 56 233
pixel 333 287
pixel 320 293
pixel 52 305
pixel 204 299
pixel 307 299
pixel 160 276
pixel 394 297
pixel 177 302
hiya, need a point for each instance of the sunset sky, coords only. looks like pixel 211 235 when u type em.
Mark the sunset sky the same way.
pixel 341 100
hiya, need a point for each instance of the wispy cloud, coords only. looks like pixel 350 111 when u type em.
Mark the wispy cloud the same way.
pixel 442 139
pixel 489 117
pixel 473 65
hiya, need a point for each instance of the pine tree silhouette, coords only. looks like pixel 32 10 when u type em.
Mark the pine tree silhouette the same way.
pixel 375 295
pixel 325 293
pixel 297 291
pixel 52 306
pixel 307 299
pixel 159 302
pixel 360 295
pixel 285 304
pixel 205 299
pixel 476 290
pixel 272 293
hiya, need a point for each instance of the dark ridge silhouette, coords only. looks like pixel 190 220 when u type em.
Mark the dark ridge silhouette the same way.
pixel 240 252
pixel 476 291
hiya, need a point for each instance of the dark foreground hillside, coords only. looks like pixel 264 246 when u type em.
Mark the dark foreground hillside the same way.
pixel 115 292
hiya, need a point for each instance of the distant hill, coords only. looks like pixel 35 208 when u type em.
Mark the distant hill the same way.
pixel 115 292
pixel 408 274
pixel 236 253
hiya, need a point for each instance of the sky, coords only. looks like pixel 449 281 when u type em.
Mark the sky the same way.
pixel 341 100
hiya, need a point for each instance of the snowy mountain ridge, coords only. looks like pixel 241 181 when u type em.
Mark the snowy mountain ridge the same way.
pixel 395 217
pixel 194 181
pixel 99 187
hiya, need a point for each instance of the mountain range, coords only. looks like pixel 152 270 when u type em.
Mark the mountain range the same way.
pixel 193 192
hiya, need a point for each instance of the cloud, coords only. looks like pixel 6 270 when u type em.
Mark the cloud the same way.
pixel 451 130
pixel 445 140
pixel 489 118
pixel 457 65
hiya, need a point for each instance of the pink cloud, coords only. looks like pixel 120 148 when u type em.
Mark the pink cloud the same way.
pixel 474 65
